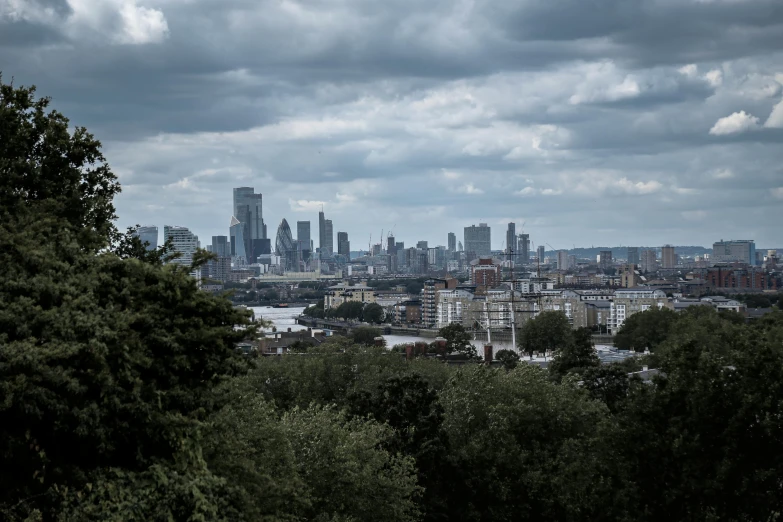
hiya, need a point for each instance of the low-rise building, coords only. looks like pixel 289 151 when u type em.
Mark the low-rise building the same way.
pixel 343 293
pixel 629 301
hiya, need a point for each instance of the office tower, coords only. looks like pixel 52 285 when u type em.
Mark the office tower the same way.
pixel 303 239
pixel 648 261
pixel 286 247
pixel 633 256
pixel 541 253
pixel 328 247
pixel 605 259
pixel 221 246
pixel 478 240
pixel 452 242
pixel 523 249
pixel 220 269
pixel 184 242
pixel 261 247
pixel 562 260
pixel 391 246
pixel 248 210
pixel 668 257
pixel 149 235
pixel 422 245
pixel 343 245
pixel 236 231
pixel 511 241
pixel 736 251
pixel 459 247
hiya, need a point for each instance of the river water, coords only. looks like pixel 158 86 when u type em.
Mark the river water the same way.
pixel 285 318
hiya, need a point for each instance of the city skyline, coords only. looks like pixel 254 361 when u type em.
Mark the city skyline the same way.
pixel 567 118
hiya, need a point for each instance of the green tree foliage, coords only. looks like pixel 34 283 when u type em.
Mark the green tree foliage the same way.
pixel 646 330
pixel 365 335
pixel 350 310
pixel 546 331
pixel 316 310
pixel 458 340
pixel 508 358
pixel 373 313
pixel 576 356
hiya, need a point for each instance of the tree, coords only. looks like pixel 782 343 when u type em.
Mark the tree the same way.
pixel 509 358
pixel 607 383
pixel 576 356
pixel 373 313
pixel 458 340
pixel 365 335
pixel 646 330
pixel 47 169
pixel 547 331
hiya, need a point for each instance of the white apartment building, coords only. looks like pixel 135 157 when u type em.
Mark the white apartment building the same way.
pixel 633 300
pixel 185 243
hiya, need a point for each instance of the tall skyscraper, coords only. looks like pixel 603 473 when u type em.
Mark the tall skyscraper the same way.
pixel 452 242
pixel 668 257
pixel 541 253
pixel 523 249
pixel 185 242
pixel 286 247
pixel 248 210
pixel 478 240
pixel 149 235
pixel 605 259
pixel 648 261
pixel 562 260
pixel 329 238
pixel 303 239
pixel 238 244
pixel 343 245
pixel 221 246
pixel 633 256
pixel 423 245
pixel 511 241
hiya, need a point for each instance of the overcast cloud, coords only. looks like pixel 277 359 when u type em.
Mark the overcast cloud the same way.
pixel 604 123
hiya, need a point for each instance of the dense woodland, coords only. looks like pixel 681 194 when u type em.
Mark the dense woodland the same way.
pixel 122 397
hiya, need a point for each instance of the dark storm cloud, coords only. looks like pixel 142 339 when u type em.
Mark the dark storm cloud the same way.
pixel 562 115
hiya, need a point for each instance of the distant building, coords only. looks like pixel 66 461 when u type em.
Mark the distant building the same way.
pixel 478 240
pixel 237 231
pixel 605 259
pixel 749 278
pixel 523 249
pixel 429 310
pixel 184 242
pixel 422 245
pixel 452 242
pixel 633 256
pixel 248 210
pixel 627 302
pixel 303 239
pixel 220 269
pixel 562 260
pixel 541 253
pixel 148 234
pixel 286 248
pixel 221 246
pixel 343 293
pixel 649 261
pixel 668 257
pixel 329 237
pixel 485 272
pixel 408 312
pixel 736 251
pixel 511 241
pixel 343 245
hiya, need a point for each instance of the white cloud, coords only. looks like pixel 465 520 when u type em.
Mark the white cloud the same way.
pixel 689 70
pixel 777 192
pixel 714 77
pixel 469 188
pixel 527 191
pixel 775 120
pixel 304 205
pixel 551 192
pixel 638 187
pixel 723 174
pixel 141 25
pixel 735 123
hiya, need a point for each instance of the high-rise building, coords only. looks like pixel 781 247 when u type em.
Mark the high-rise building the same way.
pixel 541 253
pixel 184 242
pixel 452 242
pixel 485 272
pixel 668 257
pixel 605 259
pixel 511 241
pixel 523 249
pixel 736 251
pixel 649 261
pixel 633 256
pixel 422 245
pixel 220 268
pixel 237 234
pixel 459 247
pixel 562 260
pixel 321 232
pixel 286 247
pixel 478 240
pixel 303 239
pixel 221 246
pixel 343 245
pixel 328 247
pixel 148 235
pixel 248 210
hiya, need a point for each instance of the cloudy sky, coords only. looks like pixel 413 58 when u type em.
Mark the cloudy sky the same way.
pixel 601 122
